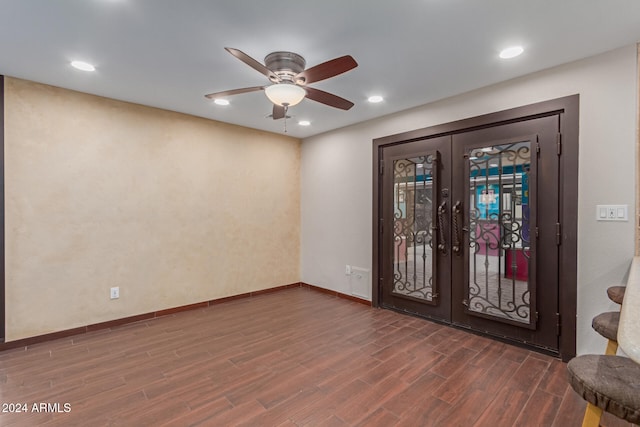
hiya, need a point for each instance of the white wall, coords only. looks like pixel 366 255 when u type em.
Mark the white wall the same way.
pixel 336 176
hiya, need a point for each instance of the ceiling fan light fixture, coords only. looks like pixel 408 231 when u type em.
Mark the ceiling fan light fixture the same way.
pixel 374 99
pixel 285 94
pixel 221 101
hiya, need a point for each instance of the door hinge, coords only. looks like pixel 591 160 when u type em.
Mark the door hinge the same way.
pixel 381 226
pixel 537 148
pixel 558 324
pixel 558 233
pixel 537 232
pixel 559 143
pixel 381 166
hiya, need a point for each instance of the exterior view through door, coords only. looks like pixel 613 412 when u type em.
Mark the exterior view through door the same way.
pixel 469 220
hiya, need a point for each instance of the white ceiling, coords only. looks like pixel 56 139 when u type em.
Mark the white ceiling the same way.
pixel 169 53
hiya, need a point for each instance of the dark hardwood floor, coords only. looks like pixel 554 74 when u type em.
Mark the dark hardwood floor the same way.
pixel 291 358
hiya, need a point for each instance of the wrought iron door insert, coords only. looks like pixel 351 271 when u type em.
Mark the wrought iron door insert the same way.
pixel 414 210
pixel 501 191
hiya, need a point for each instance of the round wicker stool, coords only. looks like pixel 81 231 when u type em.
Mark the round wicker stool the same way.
pixel 616 293
pixel 606 324
pixel 607 383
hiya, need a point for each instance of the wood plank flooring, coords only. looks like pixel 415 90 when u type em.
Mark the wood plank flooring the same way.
pixel 291 358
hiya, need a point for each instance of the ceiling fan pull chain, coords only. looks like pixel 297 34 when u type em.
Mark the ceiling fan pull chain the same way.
pixel 286 109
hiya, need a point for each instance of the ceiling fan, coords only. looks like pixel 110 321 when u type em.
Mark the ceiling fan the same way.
pixel 289 80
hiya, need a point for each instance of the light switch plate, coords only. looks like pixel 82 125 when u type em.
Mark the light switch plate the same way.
pixel 612 213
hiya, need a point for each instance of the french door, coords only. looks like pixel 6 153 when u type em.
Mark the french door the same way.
pixel 469 229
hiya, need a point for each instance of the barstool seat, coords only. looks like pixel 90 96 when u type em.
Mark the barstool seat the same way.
pixel 616 293
pixel 606 324
pixel 607 383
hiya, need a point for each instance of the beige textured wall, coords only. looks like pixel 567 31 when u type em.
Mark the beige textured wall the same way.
pixel 171 208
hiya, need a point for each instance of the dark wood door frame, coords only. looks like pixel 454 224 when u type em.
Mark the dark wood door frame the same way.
pixel 568 110
pixel 2 254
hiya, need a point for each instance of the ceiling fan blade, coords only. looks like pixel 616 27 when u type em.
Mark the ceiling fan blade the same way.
pixel 328 98
pixel 234 92
pixel 278 112
pixel 253 63
pixel 326 70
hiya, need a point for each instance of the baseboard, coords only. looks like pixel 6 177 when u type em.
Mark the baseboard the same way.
pixel 336 294
pixel 26 342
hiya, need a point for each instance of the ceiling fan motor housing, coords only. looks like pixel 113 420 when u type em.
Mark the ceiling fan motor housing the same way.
pixel 285 64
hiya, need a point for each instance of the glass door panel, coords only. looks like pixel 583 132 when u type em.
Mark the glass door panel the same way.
pixel 414 208
pixel 501 187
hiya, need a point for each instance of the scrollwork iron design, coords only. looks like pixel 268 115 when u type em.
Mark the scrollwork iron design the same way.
pixel 499 222
pixel 413 227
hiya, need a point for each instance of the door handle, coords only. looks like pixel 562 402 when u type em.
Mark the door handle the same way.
pixel 442 212
pixel 457 238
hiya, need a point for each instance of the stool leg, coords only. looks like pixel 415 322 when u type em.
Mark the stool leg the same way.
pixel 612 348
pixel 592 416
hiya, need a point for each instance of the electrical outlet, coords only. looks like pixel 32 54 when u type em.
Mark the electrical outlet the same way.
pixel 115 292
pixel 360 282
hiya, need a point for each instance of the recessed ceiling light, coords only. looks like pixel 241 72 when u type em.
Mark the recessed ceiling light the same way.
pixel 84 66
pixel 375 99
pixel 221 101
pixel 304 123
pixel 511 52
